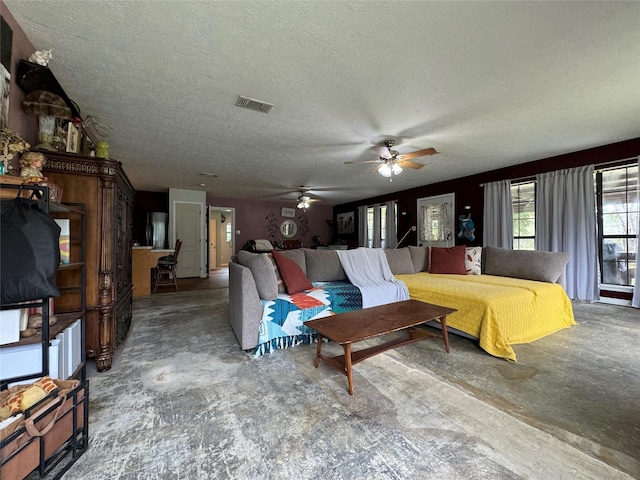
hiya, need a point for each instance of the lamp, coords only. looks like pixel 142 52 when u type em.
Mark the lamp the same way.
pixel 303 202
pixel 389 168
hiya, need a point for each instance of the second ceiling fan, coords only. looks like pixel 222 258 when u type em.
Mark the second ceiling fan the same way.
pixel 392 162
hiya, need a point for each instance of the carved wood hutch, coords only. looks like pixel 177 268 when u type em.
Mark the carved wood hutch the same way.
pixel 102 185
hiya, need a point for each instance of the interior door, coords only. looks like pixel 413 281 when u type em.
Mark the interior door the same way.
pixel 436 221
pixel 188 230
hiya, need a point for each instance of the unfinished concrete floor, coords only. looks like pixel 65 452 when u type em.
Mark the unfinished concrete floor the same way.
pixel 183 401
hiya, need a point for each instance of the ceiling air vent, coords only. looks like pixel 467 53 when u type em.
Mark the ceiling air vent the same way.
pixel 253 104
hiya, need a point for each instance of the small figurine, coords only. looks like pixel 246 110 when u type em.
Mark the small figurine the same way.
pixel 41 57
pixel 31 163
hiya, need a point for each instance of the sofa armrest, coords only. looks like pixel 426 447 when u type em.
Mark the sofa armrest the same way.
pixel 245 308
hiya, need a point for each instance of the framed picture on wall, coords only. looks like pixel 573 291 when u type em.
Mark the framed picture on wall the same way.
pixel 288 212
pixel 345 223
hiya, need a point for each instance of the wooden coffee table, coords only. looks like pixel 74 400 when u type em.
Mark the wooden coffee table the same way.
pixel 350 327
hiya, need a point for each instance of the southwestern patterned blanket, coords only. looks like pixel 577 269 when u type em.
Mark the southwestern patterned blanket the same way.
pixel 282 323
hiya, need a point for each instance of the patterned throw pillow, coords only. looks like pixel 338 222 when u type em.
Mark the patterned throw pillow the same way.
pixel 473 260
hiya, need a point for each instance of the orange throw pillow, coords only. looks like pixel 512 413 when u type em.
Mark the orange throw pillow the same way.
pixel 448 260
pixel 292 275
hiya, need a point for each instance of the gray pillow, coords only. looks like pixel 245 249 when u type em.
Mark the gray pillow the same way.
pixel 399 261
pixel 323 265
pixel 526 264
pixel 263 271
pixel 419 258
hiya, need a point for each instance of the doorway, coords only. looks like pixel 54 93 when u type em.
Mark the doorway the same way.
pixel 221 236
pixel 436 221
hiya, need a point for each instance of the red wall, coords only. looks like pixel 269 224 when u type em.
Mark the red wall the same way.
pixel 251 219
pixel 24 124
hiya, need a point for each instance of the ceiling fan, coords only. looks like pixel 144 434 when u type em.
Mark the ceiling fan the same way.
pixel 303 200
pixel 392 162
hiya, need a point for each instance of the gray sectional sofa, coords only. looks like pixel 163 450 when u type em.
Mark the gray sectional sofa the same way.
pixel 253 288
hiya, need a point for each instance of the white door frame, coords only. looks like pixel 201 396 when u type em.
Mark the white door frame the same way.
pixel 450 200
pixel 233 225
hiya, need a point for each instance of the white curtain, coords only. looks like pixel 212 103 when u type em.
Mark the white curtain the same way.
pixel 391 225
pixel 566 222
pixel 363 231
pixel 636 289
pixel 377 241
pixel 498 215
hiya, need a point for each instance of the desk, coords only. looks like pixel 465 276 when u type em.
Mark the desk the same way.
pixel 143 259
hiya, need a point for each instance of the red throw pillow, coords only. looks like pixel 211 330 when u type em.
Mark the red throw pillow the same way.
pixel 292 275
pixel 448 260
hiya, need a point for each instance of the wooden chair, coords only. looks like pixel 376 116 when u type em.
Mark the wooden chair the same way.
pixel 166 269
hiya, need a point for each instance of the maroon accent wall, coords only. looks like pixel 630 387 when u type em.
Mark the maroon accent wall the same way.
pixel 251 219
pixel 23 123
pixel 468 190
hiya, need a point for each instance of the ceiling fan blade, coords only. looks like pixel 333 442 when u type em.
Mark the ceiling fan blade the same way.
pixel 367 161
pixel 410 164
pixel 384 152
pixel 418 153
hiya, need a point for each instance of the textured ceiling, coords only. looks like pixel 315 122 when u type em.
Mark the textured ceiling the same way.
pixel 488 84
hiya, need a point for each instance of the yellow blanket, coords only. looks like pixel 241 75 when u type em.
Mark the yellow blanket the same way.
pixel 499 311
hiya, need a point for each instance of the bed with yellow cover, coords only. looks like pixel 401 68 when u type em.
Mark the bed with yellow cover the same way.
pixel 498 311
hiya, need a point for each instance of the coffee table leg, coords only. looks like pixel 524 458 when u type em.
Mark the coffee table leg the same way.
pixel 445 335
pixel 347 366
pixel 318 349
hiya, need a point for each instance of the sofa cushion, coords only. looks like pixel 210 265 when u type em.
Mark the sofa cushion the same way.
pixel 473 260
pixel 294 278
pixel 448 260
pixel 263 272
pixel 297 255
pixel 420 258
pixel 323 266
pixel 399 261
pixel 526 264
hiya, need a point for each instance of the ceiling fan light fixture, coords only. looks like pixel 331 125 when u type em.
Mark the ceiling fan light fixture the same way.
pixel 303 202
pixel 388 169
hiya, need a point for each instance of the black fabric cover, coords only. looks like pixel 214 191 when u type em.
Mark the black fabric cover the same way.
pixel 29 252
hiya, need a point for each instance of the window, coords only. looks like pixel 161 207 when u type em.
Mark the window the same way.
pixel 377 225
pixel 617 203
pixel 228 232
pixel 523 197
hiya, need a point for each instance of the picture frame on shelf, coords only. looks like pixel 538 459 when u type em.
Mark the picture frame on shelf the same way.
pixel 73 138
pixel 288 212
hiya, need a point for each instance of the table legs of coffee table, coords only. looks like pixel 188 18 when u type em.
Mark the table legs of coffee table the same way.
pixel 348 366
pixel 445 334
pixel 345 366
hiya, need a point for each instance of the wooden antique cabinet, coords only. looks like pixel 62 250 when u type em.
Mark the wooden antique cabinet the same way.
pixel 102 185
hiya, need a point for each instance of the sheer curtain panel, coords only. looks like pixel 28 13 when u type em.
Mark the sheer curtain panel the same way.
pixel 363 230
pixel 566 222
pixel 498 215
pixel 391 225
